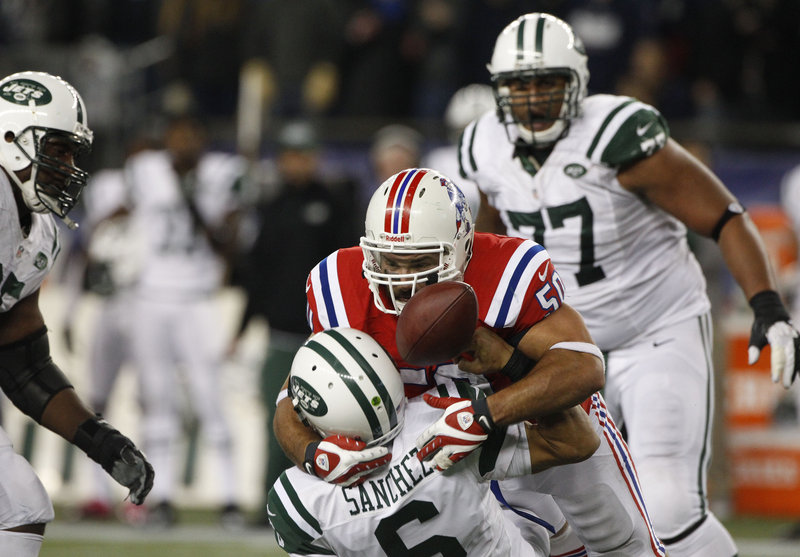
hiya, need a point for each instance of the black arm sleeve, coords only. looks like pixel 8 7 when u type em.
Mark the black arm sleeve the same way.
pixel 28 375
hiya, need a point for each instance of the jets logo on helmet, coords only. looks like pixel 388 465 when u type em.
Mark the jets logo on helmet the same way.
pixel 416 211
pixel 25 91
pixel 43 123
pixel 344 383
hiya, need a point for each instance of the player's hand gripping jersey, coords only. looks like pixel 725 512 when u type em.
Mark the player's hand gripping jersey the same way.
pixel 613 252
pixel 525 292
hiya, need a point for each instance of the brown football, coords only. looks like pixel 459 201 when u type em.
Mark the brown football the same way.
pixel 437 323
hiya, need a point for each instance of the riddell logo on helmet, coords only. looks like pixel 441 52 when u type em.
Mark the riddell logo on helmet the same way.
pixel 23 91
pixel 395 238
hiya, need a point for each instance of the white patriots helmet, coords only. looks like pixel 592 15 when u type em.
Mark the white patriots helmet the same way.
pixel 416 211
pixel 35 108
pixel 343 382
pixel 533 45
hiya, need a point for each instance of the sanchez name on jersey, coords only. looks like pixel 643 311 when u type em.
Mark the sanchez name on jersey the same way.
pixel 613 251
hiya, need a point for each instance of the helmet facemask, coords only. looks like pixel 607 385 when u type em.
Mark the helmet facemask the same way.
pixel 54 185
pixel 418 231
pixel 522 111
pixel 385 285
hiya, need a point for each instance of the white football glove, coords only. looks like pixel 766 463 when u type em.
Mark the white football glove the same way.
pixel 772 325
pixel 344 461
pixel 465 425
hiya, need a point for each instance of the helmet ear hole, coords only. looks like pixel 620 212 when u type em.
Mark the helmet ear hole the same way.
pixel 9 136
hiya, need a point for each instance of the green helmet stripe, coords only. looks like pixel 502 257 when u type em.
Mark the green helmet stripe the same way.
pixel 539 35
pixel 349 381
pixel 520 39
pixel 388 403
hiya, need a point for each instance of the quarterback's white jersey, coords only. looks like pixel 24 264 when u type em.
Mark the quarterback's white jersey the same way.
pixel 408 509
pixel 625 264
pixel 179 260
pixel 24 260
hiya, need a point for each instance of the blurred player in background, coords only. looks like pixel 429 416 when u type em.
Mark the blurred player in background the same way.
pixel 419 230
pixel 185 203
pixel 600 184
pixel 274 269
pixel 108 270
pixel 44 128
pixel 453 514
pixel 467 104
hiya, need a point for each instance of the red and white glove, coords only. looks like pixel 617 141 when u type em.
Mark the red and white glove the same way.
pixel 465 425
pixel 344 461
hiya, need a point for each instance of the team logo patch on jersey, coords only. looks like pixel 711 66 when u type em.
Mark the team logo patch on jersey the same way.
pixel 574 170
pixel 40 261
pixel 308 398
pixel 23 91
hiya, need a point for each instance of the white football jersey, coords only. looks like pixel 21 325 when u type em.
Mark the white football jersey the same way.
pixel 24 260
pixel 625 264
pixel 410 508
pixel 179 261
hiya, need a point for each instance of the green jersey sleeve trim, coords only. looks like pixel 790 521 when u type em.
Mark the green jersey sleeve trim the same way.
pixel 641 135
pixel 291 536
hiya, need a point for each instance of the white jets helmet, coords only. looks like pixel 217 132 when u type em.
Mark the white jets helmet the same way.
pixel 37 109
pixel 419 211
pixel 534 45
pixel 343 382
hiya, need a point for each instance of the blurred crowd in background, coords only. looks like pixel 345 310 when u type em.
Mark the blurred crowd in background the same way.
pixel 355 64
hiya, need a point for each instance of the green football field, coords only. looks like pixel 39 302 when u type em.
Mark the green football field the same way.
pixel 197 535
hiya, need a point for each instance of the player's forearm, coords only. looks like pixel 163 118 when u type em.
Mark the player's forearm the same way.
pixel 561 438
pixel 559 380
pixel 292 434
pixel 746 257
pixel 64 413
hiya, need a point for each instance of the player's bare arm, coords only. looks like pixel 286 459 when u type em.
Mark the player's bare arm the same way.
pixel 560 378
pixel 488 219
pixel 292 434
pixel 676 181
pixel 562 438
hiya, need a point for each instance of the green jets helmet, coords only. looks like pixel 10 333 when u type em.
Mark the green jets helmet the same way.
pixel 342 382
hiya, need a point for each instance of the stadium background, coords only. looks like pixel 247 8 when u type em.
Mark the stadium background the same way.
pixel 724 73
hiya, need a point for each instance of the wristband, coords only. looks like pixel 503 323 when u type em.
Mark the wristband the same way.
pixel 517 366
pixel 732 210
pixel 768 302
pixel 480 408
pixel 308 457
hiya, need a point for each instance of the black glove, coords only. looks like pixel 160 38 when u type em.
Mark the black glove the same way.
pixel 117 455
pixel 772 325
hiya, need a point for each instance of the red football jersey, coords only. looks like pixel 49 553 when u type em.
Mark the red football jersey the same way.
pixel 513 278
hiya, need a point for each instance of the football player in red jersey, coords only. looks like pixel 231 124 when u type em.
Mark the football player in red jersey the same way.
pixel 532 347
